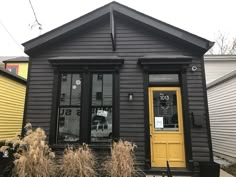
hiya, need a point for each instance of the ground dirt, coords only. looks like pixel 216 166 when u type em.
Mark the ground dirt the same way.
pixel 231 169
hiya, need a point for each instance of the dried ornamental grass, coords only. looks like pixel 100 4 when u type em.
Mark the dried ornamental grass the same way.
pixel 34 158
pixel 122 160
pixel 79 162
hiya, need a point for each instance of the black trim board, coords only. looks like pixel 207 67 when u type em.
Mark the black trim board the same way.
pixel 131 13
pixel 186 121
pixel 16 60
pixel 55 101
pixel 86 61
pixel 26 99
pixel 112 28
pixel 165 63
pixel 207 109
pixel 165 60
pixel 146 122
pixel 116 102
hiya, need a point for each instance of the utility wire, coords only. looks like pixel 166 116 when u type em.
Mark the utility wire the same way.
pixel 36 20
pixel 20 46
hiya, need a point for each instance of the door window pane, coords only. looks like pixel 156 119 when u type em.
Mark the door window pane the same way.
pixel 69 109
pixel 165 110
pixel 101 116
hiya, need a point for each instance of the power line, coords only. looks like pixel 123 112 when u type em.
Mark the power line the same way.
pixel 36 19
pixel 20 46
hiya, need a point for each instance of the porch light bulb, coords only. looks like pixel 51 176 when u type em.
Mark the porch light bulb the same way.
pixel 130 96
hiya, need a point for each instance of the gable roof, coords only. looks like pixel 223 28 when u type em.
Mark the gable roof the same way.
pixel 120 9
pixel 12 76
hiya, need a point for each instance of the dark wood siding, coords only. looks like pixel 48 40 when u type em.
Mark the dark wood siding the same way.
pixel 198 112
pixel 132 41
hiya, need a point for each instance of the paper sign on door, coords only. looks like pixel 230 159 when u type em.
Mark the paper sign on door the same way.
pixel 102 113
pixel 159 122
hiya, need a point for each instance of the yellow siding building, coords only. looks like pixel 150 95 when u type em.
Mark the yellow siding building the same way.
pixel 17 65
pixel 12 93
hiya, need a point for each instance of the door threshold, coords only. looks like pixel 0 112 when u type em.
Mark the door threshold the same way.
pixel 165 176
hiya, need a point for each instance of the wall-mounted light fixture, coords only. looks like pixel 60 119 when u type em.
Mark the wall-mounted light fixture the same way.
pixel 194 68
pixel 130 96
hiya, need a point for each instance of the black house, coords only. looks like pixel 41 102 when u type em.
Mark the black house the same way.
pixel 117 73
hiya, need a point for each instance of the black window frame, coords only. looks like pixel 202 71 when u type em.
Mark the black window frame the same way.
pixel 86 66
pixel 59 106
pixel 114 104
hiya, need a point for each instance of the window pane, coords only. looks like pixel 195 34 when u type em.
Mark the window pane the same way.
pixel 97 90
pixel 65 89
pixel 68 124
pixel 69 109
pixel 165 110
pixel 76 89
pixel 163 78
pixel 107 89
pixel 101 116
pixel 12 69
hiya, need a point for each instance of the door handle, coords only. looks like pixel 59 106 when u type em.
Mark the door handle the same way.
pixel 150 135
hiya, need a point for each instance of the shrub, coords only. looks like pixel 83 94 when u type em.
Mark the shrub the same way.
pixel 33 157
pixel 79 162
pixel 122 160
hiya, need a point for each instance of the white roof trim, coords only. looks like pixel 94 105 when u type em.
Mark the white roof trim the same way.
pixel 222 79
pixel 220 57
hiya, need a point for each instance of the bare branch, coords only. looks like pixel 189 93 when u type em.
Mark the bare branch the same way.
pixel 223 46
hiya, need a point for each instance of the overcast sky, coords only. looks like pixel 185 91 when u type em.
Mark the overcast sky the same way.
pixel 205 18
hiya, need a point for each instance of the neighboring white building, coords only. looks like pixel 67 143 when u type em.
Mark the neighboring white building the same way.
pixel 217 66
pixel 221 90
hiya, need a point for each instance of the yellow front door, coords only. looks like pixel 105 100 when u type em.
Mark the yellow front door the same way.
pixel 166 127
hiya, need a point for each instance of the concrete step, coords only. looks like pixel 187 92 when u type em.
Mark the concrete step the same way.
pixel 165 176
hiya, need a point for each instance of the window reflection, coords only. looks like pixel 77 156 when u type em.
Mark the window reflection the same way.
pixel 69 108
pixel 165 110
pixel 101 115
